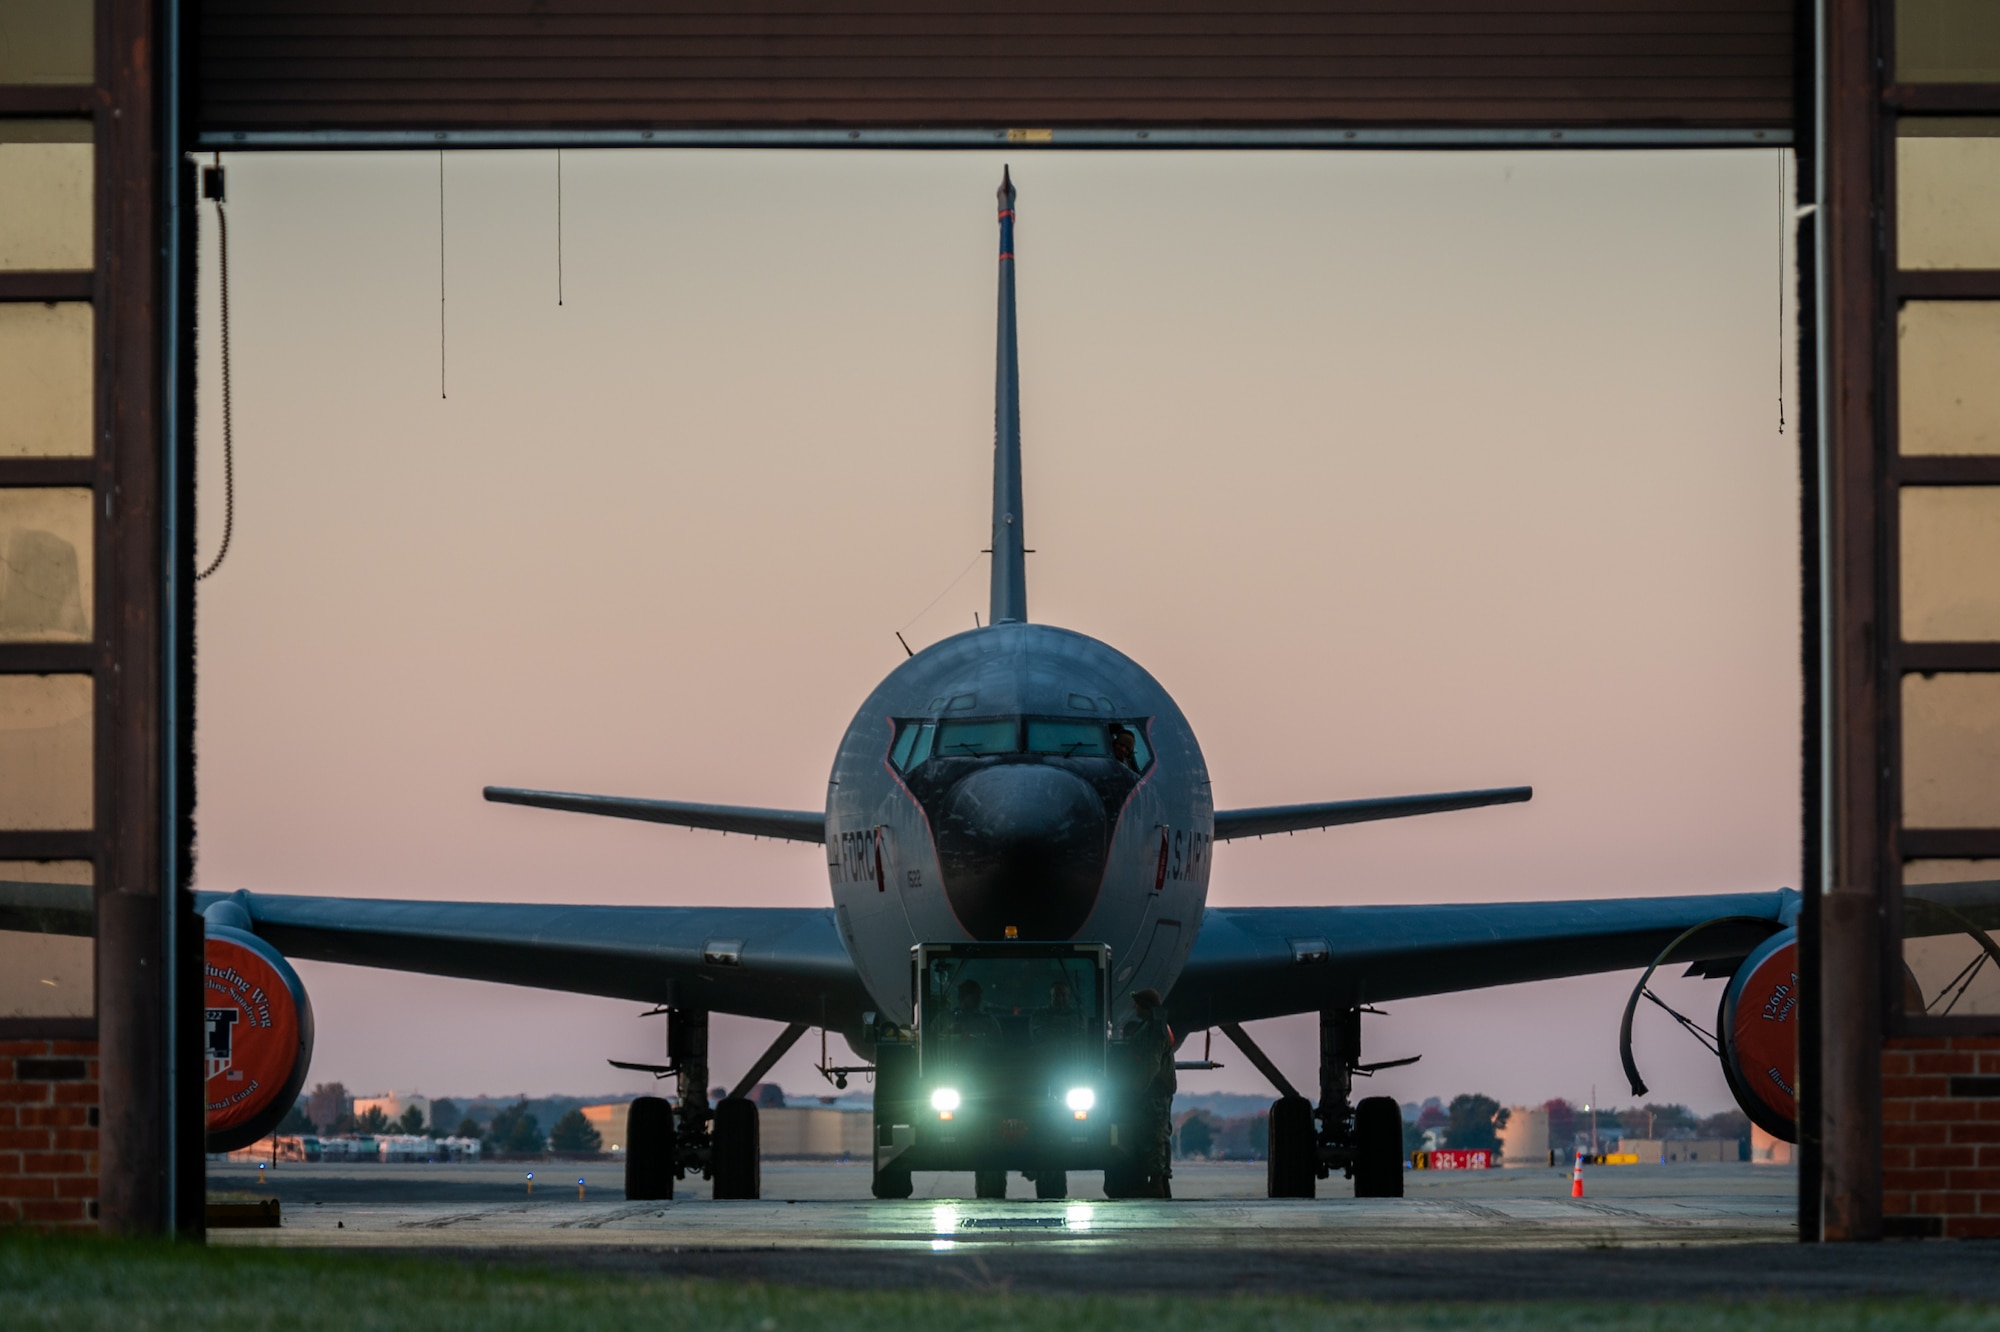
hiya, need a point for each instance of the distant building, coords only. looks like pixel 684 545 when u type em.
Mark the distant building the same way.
pixel 393 1104
pixel 406 1147
pixel 349 1149
pixel 609 1121
pixel 1654 1151
pixel 818 1131
pixel 1524 1138
pixel 1768 1149
pixel 386 1147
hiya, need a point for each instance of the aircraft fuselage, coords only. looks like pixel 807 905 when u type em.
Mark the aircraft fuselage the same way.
pixel 985 787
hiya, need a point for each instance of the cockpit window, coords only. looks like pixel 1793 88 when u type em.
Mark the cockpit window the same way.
pixel 1128 746
pixel 1071 739
pixel 913 745
pixel 918 739
pixel 974 739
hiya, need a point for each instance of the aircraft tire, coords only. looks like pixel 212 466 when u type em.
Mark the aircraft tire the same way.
pixel 1051 1184
pixel 1291 1165
pixel 737 1164
pixel 989 1183
pixel 649 1150
pixel 1378 1148
pixel 893 1183
pixel 1121 1181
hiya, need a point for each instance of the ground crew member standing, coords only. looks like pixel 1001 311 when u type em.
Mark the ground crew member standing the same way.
pixel 1155 1083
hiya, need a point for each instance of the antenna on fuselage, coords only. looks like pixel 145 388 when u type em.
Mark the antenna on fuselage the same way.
pixel 1009 599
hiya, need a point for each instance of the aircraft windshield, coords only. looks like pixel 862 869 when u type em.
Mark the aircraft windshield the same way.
pixel 972 739
pixel 982 1010
pixel 913 745
pixel 1071 739
pixel 917 740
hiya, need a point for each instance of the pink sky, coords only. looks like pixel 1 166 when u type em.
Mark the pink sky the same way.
pixel 1404 472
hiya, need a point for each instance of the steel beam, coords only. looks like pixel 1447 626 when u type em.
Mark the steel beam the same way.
pixel 1016 140
pixel 1860 766
pixel 47 285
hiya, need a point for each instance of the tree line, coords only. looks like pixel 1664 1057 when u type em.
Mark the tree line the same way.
pixel 327 1110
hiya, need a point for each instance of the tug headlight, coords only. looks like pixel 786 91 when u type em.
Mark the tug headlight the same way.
pixel 1080 1099
pixel 944 1100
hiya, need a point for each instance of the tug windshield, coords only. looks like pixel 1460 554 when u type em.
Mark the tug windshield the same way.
pixel 981 1011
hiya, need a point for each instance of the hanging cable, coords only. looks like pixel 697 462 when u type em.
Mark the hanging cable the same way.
pixel 940 596
pixel 558 226
pixel 441 380
pixel 212 187
pixel 1784 225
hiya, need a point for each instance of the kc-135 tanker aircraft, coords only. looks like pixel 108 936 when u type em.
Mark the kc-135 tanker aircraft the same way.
pixel 1018 834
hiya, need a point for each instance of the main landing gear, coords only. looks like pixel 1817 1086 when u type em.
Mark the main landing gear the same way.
pixel 665 1141
pixel 1307 1144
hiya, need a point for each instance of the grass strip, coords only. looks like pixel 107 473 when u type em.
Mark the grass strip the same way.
pixel 68 1281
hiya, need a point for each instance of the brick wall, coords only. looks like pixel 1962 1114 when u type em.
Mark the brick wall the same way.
pixel 48 1132
pixel 1941 1137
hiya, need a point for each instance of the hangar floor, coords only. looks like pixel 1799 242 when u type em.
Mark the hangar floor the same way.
pixel 827 1207
pixel 1642 1233
pixel 813 1205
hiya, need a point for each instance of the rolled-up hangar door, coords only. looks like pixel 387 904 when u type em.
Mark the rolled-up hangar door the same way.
pixel 324 71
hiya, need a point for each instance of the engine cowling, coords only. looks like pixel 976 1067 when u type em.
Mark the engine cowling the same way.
pixel 259 1036
pixel 1759 1034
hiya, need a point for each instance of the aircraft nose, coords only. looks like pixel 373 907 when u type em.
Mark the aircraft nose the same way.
pixel 1022 844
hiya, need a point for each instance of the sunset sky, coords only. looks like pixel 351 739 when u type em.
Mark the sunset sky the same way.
pixel 1403 472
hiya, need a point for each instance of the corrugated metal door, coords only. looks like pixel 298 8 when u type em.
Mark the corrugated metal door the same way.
pixel 468 64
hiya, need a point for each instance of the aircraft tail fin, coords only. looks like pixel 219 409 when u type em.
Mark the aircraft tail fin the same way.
pixel 1009 597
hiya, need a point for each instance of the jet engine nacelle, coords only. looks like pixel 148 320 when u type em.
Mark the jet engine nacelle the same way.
pixel 1759 1033
pixel 259 1034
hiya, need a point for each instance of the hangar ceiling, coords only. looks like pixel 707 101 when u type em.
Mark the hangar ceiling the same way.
pixel 347 67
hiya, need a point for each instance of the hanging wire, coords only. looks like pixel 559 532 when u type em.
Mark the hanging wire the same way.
pixel 559 274
pixel 228 431
pixel 942 595
pixel 441 379
pixel 1784 225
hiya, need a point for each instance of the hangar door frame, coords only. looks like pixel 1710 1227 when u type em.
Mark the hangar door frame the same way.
pixel 1054 126
pixel 161 64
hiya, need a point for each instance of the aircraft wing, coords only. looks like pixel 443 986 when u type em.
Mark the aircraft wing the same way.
pixel 1268 820
pixel 1262 962
pixel 790 825
pixel 782 963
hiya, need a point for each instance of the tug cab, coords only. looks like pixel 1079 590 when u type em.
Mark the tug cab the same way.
pixel 1007 1066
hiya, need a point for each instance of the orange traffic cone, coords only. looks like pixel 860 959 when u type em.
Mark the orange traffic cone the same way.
pixel 1576 1178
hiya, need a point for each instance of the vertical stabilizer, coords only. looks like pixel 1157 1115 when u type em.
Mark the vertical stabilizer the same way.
pixel 1009 599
